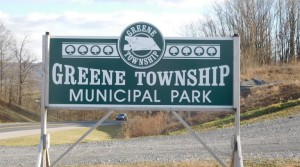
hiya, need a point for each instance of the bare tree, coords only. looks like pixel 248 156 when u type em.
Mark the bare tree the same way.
pixel 298 31
pixel 251 19
pixel 25 63
pixel 10 91
pixel 269 29
pixel 287 30
pixel 5 46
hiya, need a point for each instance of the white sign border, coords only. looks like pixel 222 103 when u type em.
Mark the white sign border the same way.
pixel 236 84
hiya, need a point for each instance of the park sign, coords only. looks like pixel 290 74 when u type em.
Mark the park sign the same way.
pixel 139 70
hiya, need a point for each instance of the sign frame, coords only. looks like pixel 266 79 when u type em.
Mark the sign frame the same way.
pixel 43 159
pixel 235 71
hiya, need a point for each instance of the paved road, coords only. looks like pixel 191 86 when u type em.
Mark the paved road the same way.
pixel 10 130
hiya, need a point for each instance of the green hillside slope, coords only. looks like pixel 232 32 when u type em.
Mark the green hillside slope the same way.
pixel 16 113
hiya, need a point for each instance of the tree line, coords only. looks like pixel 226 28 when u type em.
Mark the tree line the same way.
pixel 269 33
pixel 16 65
pixel 269 30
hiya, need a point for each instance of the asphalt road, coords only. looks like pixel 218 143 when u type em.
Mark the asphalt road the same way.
pixel 10 130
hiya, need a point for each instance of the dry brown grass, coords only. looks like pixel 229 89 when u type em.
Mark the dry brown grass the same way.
pixel 163 122
pixel 287 73
pixel 266 95
pixel 283 85
pixel 145 125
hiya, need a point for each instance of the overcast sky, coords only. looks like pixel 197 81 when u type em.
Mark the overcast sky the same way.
pixel 96 17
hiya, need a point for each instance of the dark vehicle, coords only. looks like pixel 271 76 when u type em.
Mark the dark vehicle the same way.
pixel 121 117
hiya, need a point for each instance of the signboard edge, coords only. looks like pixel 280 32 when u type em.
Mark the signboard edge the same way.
pixel 46 57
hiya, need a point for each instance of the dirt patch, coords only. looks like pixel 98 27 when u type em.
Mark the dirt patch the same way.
pixel 262 96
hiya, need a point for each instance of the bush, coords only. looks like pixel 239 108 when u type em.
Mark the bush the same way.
pixel 146 125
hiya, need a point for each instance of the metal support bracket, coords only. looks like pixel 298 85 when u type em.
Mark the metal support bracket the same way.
pixel 82 137
pixel 198 138
pixel 237 157
pixel 43 153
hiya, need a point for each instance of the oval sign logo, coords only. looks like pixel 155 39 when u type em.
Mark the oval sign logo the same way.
pixel 141 45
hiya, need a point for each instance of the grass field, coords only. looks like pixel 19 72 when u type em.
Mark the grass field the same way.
pixel 67 136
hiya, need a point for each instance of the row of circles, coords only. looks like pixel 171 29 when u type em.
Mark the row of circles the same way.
pixel 198 51
pixel 83 50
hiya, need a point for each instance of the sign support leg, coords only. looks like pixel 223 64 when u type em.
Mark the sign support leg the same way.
pixel 198 138
pixel 237 157
pixel 82 137
pixel 43 155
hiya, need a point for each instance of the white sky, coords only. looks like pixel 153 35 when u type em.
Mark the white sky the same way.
pixel 96 17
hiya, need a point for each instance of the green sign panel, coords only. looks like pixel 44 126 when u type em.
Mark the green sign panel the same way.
pixel 140 69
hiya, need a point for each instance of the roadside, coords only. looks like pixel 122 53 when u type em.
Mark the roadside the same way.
pixel 13 130
pixel 60 131
pixel 265 142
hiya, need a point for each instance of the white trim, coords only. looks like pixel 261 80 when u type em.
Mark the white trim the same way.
pixel 196 58
pixel 91 57
pixel 166 38
pixel 85 37
pixel 194 44
pixel 139 107
pixel 200 38
pixel 91 43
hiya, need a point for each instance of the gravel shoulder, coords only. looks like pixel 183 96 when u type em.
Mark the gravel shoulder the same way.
pixel 270 139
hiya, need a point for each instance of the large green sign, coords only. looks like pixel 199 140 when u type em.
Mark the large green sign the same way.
pixel 140 69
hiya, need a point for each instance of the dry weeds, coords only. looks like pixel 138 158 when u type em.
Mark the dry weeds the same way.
pixel 283 84
pixel 145 125
pixel 266 95
pixel 284 73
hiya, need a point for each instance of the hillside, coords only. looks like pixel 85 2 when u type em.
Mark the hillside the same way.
pixel 263 86
pixel 15 113
pixel 7 115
